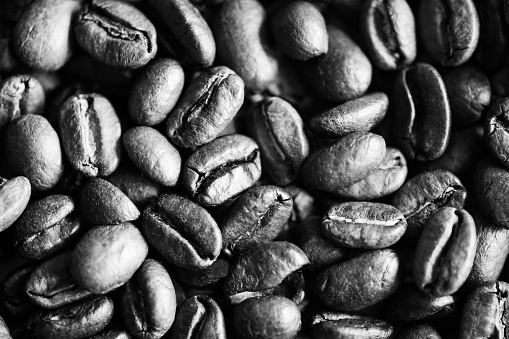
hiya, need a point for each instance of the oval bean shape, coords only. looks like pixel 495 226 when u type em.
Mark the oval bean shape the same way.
pixel 330 325
pixel 153 154
pixel 107 257
pixel 14 196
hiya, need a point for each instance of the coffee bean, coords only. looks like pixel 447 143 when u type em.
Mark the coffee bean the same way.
pixel 420 331
pixel 155 91
pixel 206 278
pixel 363 225
pixel 32 149
pixel 46 227
pixel 328 325
pixel 182 231
pixel 495 134
pixel 14 303
pixel 116 33
pixel 107 257
pixel 299 30
pixel 222 169
pixel 4 330
pixel 206 107
pixel 20 95
pixel 14 196
pixel 91 134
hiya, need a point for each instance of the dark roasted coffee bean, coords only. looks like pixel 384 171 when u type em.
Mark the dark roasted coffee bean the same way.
pixel 199 317
pixel 46 227
pixel 445 252
pixel 14 196
pixel 410 304
pixel 495 131
pixel 206 107
pixel 485 312
pixel 267 317
pixel 261 269
pixel 422 114
pixel 148 301
pixel 101 203
pixel 363 225
pixel 14 304
pixel 182 231
pixel 299 30
pixel 222 169
pixel 153 154
pixel 32 149
pixel 387 179
pixel 116 33
pixel 107 257
pixel 256 217
pixel 279 130
pixel 241 32
pixel 319 250
pixel 343 163
pixel 449 30
pixel 389 32
pixel 332 325
pixel 189 34
pixel 343 73
pixel 468 89
pixel 50 285
pixel 155 91
pixel 425 193
pixel 4 330
pixel 360 281
pixel 361 114
pixel 77 321
pixel 91 134
pixel 419 331
pixel 43 37
pixel 20 95
pixel 491 188
pixel 206 278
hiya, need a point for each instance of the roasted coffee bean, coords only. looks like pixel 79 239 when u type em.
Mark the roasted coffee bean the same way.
pixel 343 73
pixel 116 33
pixel 20 95
pixel 43 37
pixel 46 227
pixel 361 114
pixel 279 130
pixel 149 301
pixel 445 252
pixel 155 91
pixel 485 312
pixel 14 303
pixel 360 281
pixel 449 30
pixel 222 169
pixel 389 30
pixel 50 285
pixel 419 331
pixel 77 321
pixel 491 188
pixel 468 89
pixel 343 163
pixel 421 112
pixel 206 278
pixel 267 317
pixel 206 107
pixel 182 231
pixel 91 134
pixel 363 225
pixel 32 149
pixel 153 154
pixel 189 34
pixel 199 317
pixel 14 196
pixel 299 30
pixel 425 193
pixel 320 252
pixel 330 325
pixel 102 203
pixel 495 131
pixel 261 269
pixel 256 217
pixel 241 33
pixel 385 180
pixel 107 257
pixel 410 304
pixel 4 330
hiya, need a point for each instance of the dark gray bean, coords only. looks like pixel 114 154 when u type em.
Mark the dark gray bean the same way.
pixel 420 331
pixel 332 325
pixel 206 278
pixel 14 303
pixel 14 196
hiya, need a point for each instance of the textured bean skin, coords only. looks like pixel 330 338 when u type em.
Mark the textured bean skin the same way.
pixel 47 46
pixel 329 325
pixel 14 196
pixel 495 132
pixel 20 95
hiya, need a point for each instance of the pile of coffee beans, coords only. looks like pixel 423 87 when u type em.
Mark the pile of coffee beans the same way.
pixel 254 169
